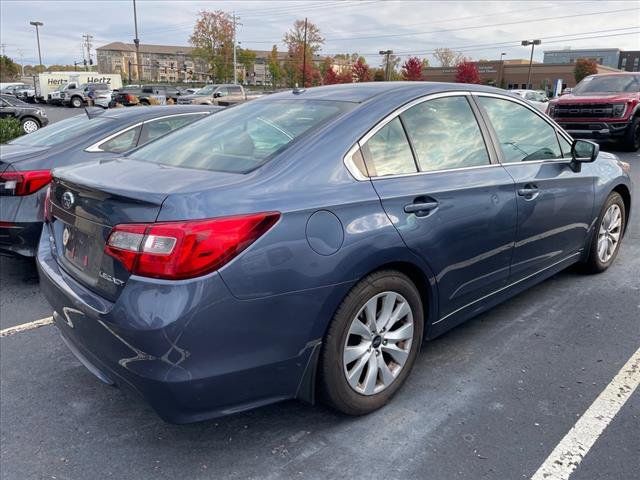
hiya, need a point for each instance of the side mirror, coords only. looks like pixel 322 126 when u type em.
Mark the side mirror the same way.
pixel 583 151
pixel 217 95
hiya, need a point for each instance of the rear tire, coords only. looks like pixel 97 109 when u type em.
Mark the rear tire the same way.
pixel 631 140
pixel 607 236
pixel 377 356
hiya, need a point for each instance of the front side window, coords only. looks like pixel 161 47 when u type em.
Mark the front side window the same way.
pixel 241 138
pixel 445 134
pixel 388 151
pixel 522 134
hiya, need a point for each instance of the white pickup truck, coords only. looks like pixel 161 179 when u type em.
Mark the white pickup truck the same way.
pixel 224 95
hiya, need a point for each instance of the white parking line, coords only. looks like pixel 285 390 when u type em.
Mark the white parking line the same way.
pixel 568 454
pixel 26 326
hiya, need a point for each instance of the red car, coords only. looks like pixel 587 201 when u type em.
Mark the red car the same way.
pixel 602 107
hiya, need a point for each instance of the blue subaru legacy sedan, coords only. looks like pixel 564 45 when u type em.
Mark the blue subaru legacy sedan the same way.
pixel 303 245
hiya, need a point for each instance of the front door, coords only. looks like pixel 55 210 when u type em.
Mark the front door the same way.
pixel 451 205
pixel 555 203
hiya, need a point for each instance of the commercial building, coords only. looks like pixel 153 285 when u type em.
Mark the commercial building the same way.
pixel 629 61
pixel 603 56
pixel 166 63
pixel 513 74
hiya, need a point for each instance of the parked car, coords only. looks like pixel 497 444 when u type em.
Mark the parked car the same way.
pixel 104 99
pixel 31 118
pixel 133 96
pixel 26 162
pixel 537 98
pixel 77 97
pixel 11 88
pixel 307 242
pixel 26 93
pixel 602 107
pixel 216 95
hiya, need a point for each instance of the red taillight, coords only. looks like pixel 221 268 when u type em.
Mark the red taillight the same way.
pixel 179 250
pixel 23 183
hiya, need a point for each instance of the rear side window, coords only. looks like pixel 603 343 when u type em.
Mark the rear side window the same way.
pixel 445 134
pixel 157 128
pixel 62 131
pixel 123 142
pixel 523 135
pixel 388 151
pixel 242 138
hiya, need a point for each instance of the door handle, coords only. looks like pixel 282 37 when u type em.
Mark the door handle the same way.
pixel 525 192
pixel 420 209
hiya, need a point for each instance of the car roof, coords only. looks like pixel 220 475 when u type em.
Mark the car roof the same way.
pixel 362 92
pixel 154 111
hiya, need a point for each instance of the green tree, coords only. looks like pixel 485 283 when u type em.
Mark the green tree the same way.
pixel 212 39
pixel 584 67
pixel 246 58
pixel 274 67
pixel 300 56
pixel 9 70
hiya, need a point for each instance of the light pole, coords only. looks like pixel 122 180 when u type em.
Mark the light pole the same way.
pixel 533 43
pixel 501 70
pixel 136 41
pixel 38 24
pixel 387 54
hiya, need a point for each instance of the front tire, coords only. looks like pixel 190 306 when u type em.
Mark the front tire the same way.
pixel 30 125
pixel 372 343
pixel 608 234
pixel 631 141
pixel 76 102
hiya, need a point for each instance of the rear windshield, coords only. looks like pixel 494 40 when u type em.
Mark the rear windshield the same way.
pixel 608 84
pixel 60 132
pixel 241 138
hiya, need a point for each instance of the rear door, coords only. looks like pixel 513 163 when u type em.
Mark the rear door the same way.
pixel 449 200
pixel 555 203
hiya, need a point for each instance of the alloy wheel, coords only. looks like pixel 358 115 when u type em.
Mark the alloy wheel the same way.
pixel 378 343
pixel 30 126
pixel 609 233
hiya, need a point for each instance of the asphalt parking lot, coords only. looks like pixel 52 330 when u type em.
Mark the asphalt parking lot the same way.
pixel 491 399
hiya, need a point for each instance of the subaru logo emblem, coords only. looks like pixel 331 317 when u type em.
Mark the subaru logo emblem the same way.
pixel 67 200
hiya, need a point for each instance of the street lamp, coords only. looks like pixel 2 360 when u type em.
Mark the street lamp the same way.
pixel 501 70
pixel 533 43
pixel 387 54
pixel 38 24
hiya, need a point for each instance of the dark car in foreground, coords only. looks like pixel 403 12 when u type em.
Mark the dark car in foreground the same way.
pixel 27 161
pixel 602 107
pixel 31 118
pixel 304 244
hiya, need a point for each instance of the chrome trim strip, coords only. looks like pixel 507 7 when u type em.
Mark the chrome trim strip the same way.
pixel 431 172
pixel 96 146
pixel 506 287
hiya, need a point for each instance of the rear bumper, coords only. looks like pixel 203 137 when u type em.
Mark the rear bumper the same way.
pixel 190 348
pixel 595 130
pixel 19 238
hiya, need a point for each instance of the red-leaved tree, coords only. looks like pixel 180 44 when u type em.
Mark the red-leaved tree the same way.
pixel 467 72
pixel 412 69
pixel 330 76
pixel 361 71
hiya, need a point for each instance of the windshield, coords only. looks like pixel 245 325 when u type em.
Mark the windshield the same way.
pixel 208 90
pixel 608 84
pixel 60 132
pixel 241 138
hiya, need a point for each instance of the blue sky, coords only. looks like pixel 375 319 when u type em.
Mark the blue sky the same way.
pixel 478 29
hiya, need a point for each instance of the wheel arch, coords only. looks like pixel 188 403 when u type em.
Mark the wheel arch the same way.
pixel 624 192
